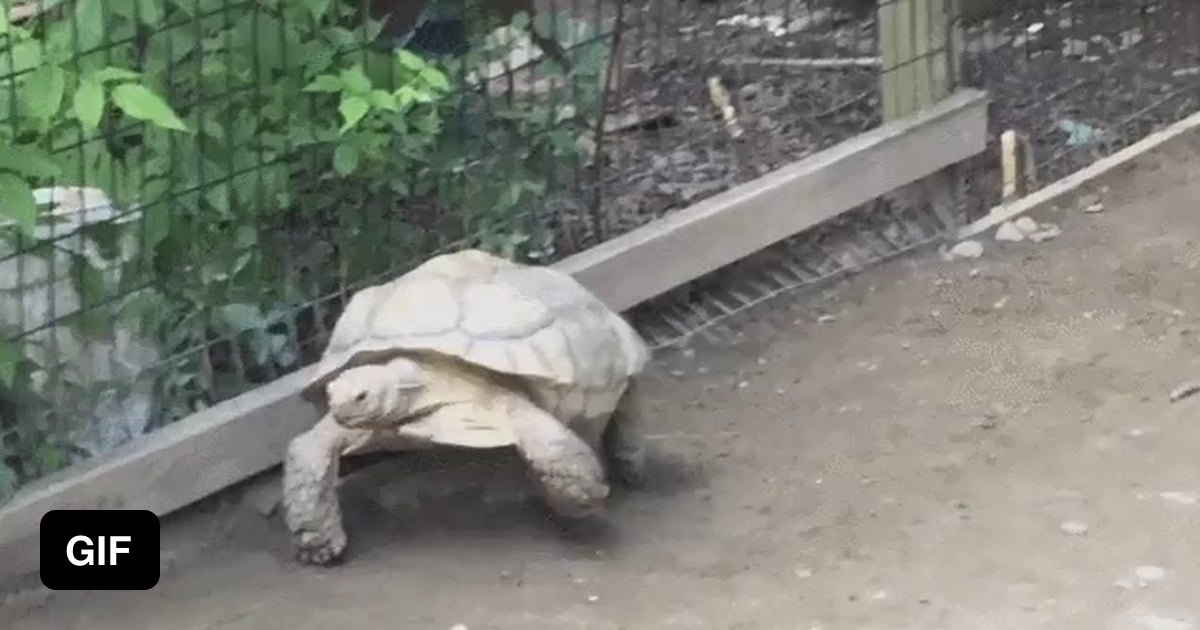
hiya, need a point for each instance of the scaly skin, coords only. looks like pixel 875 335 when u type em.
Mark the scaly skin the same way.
pixel 623 443
pixel 311 508
pixel 568 470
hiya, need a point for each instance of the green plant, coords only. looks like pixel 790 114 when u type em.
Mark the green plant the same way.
pixel 262 155
pixel 502 157
pixel 308 122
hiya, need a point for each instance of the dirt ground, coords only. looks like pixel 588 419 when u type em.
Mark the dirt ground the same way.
pixel 969 444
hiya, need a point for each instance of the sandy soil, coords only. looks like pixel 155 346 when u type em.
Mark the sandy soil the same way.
pixel 910 464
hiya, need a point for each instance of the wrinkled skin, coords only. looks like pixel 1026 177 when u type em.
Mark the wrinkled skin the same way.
pixel 376 395
pixel 377 413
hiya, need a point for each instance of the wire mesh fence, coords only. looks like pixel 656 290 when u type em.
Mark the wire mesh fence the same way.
pixel 191 189
pixel 1076 80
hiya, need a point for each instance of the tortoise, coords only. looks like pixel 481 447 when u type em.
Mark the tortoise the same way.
pixel 472 350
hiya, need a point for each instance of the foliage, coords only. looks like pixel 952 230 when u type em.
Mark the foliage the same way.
pixel 265 149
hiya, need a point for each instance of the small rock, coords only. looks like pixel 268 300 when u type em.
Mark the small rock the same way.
pixel 1074 528
pixel 1026 225
pixel 1074 47
pixel 1047 232
pixel 967 249
pixel 592 599
pixel 1184 390
pixel 826 319
pixel 1131 37
pixel 1094 208
pixel 1156 621
pixel 459 626
pixel 1149 573
pixel 743 384
pixel 1008 232
pixel 880 595
pixel 803 573
pixel 1182 498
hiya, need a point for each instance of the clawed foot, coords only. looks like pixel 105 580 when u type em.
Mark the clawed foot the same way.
pixel 573 495
pixel 320 549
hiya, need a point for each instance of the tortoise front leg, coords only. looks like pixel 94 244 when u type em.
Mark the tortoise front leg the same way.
pixel 310 501
pixel 566 467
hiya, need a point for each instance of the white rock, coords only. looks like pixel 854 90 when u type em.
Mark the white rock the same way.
pixel 1149 573
pixel 1155 621
pixel 967 249
pixel 1026 225
pixel 593 598
pixel 803 573
pixel 826 319
pixel 1047 232
pixel 1008 232
pixel 1074 528
pixel 1094 208
pixel 459 626
pixel 1182 498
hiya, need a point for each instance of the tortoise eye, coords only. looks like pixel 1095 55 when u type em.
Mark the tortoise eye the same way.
pixel 360 397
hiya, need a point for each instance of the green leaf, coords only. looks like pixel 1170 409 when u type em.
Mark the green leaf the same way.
pixel 28 161
pixel 324 83
pixel 355 80
pixel 112 73
pixel 345 159
pixel 42 93
pixel 139 102
pixel 150 11
pixel 10 359
pixel 89 104
pixel 434 79
pixel 242 317
pixel 352 108
pixel 383 100
pixel 317 8
pixel 89 24
pixel 16 202
pixel 410 60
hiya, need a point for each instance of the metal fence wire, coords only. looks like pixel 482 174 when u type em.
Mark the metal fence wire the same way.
pixel 190 190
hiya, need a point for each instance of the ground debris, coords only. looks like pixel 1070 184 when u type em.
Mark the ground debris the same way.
pixel 1009 232
pixel 965 249
pixel 1074 528
pixel 1184 390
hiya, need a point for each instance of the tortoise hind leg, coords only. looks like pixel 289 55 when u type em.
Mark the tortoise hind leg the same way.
pixel 623 442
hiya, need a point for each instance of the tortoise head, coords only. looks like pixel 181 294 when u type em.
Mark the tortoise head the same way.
pixel 377 395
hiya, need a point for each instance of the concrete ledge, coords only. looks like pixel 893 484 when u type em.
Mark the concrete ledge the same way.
pixel 220 446
pixel 722 229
